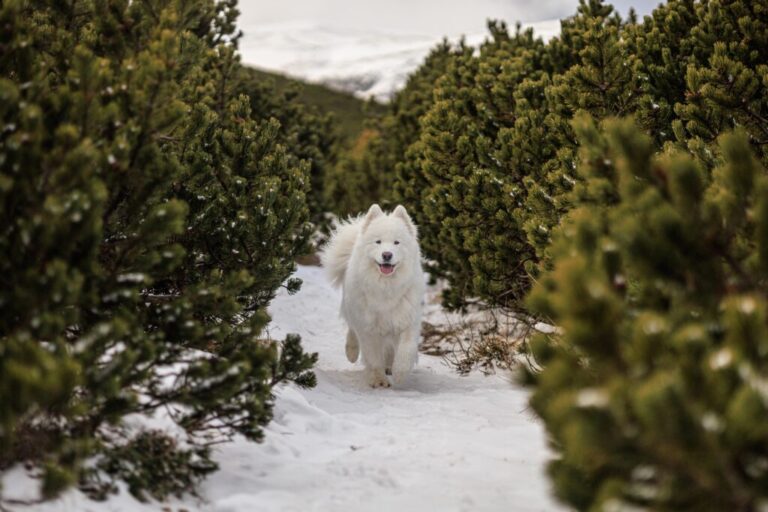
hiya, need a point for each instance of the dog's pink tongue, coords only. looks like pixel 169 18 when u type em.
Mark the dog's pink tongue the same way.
pixel 386 269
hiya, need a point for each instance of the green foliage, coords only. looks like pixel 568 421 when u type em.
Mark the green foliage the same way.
pixel 470 225
pixel 493 162
pixel 150 211
pixel 652 389
pixel 325 128
pixel 153 465
pixel 309 130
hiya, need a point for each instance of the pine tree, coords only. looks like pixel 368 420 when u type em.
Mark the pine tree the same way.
pixel 664 49
pixel 726 83
pixel 565 47
pixel 651 389
pixel 602 81
pixel 309 134
pixel 497 150
pixel 469 223
pixel 400 130
pixel 150 215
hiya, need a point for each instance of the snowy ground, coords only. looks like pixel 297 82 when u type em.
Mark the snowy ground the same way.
pixel 438 442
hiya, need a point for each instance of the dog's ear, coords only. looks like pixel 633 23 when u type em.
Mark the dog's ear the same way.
pixel 373 212
pixel 401 212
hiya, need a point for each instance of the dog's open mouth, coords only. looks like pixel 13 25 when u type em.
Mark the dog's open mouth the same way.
pixel 386 268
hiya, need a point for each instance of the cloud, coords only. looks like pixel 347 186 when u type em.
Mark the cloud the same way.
pixel 428 17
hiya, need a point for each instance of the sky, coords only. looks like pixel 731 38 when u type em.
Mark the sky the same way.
pixel 435 18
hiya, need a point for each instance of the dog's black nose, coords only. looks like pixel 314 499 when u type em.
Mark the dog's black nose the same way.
pixel 386 256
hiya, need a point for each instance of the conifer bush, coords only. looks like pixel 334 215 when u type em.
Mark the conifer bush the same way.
pixel 492 167
pixel 149 214
pixel 469 205
pixel 653 388
pixel 310 134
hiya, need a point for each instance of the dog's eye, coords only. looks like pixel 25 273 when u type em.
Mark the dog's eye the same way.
pixel 378 241
pixel 397 242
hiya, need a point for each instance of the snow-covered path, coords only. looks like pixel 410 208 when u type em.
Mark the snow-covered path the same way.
pixel 438 442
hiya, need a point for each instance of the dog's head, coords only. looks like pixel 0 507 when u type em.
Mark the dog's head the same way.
pixel 389 240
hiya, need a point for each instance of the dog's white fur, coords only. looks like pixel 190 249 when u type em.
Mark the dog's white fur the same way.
pixel 382 311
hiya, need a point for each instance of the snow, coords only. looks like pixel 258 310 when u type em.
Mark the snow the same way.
pixel 437 442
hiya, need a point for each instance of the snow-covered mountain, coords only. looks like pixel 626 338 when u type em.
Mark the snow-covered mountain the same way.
pixel 364 62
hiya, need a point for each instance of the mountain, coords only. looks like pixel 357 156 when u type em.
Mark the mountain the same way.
pixel 349 111
pixel 362 62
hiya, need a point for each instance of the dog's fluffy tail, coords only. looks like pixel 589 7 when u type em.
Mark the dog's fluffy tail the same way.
pixel 335 256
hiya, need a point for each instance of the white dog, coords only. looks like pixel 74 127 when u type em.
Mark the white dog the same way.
pixel 376 259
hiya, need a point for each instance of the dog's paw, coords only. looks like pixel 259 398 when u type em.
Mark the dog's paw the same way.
pixel 378 380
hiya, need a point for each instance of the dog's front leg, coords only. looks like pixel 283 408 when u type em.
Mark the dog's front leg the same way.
pixel 406 353
pixel 375 359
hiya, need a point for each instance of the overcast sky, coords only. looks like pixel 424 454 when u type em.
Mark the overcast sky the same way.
pixel 426 17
